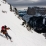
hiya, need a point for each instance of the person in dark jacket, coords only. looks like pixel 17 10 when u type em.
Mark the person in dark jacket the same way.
pixel 4 31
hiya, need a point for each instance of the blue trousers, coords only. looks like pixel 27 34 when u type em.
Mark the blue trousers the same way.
pixel 7 35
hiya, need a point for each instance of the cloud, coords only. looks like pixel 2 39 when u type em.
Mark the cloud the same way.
pixel 26 2
pixel 21 1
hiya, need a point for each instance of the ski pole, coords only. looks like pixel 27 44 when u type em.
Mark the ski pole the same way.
pixel 12 31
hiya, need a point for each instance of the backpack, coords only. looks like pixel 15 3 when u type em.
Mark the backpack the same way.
pixel 3 27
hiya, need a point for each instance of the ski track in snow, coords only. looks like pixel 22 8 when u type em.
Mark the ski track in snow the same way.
pixel 19 34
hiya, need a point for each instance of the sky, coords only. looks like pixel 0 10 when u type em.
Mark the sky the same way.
pixel 27 2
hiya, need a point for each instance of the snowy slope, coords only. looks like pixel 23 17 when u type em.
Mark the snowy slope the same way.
pixel 19 34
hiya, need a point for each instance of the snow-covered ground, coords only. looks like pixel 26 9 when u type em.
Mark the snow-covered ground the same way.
pixel 19 34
